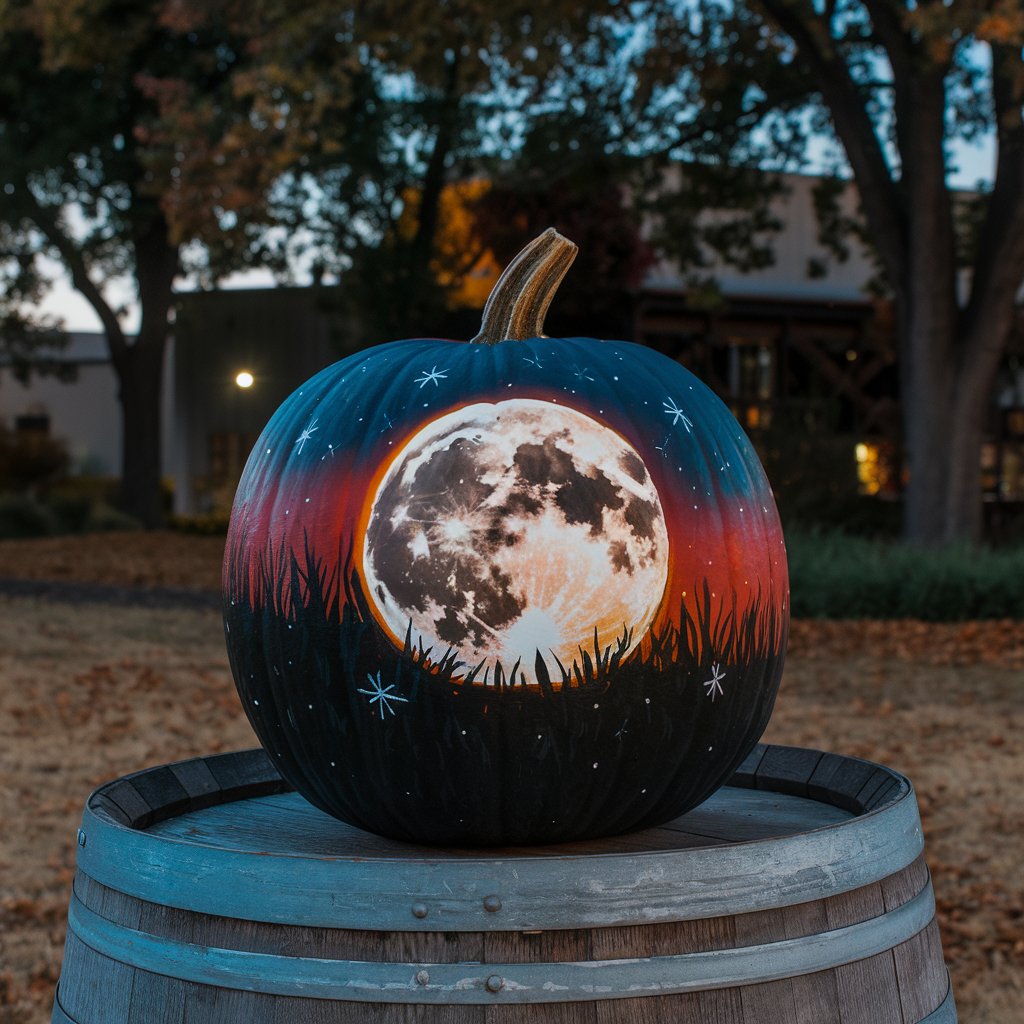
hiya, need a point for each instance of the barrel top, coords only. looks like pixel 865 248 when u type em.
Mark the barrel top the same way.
pixel 225 835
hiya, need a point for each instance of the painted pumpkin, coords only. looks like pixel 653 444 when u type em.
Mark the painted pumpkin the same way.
pixel 514 590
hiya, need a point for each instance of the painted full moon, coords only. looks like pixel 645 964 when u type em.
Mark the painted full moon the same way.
pixel 505 529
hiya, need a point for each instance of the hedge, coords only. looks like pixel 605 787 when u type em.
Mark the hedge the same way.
pixel 836 576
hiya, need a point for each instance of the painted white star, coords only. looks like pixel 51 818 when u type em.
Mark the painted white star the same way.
pixel 307 434
pixel 533 361
pixel 382 695
pixel 714 684
pixel 677 414
pixel 581 374
pixel 435 375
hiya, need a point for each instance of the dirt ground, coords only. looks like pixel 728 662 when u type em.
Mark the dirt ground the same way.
pixel 89 692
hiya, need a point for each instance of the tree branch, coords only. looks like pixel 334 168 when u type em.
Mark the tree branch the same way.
pixel 879 195
pixel 47 219
pixel 895 41
pixel 899 49
pixel 999 264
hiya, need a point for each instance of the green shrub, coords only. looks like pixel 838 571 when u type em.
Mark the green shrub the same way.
pixel 72 511
pixel 836 576
pixel 213 524
pixel 104 518
pixel 22 516
pixel 89 489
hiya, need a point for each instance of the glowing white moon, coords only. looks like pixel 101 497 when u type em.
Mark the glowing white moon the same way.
pixel 505 529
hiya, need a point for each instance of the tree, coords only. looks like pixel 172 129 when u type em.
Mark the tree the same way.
pixel 376 126
pixel 91 176
pixel 589 208
pixel 895 83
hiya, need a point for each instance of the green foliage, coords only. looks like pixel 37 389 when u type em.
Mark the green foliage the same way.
pixel 71 511
pixel 72 506
pixel 105 518
pixel 587 207
pixel 213 524
pixel 877 92
pixel 836 576
pixel 22 516
pixel 108 116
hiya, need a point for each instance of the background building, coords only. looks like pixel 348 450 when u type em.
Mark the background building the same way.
pixel 802 354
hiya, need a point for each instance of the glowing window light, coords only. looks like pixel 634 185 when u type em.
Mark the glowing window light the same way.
pixel 870 471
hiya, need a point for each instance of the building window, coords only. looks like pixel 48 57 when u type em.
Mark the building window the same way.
pixel 752 372
pixel 877 472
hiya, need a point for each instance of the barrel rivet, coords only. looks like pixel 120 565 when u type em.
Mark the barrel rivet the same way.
pixel 81 838
pixel 492 904
pixel 419 910
pixel 495 983
pixel 422 978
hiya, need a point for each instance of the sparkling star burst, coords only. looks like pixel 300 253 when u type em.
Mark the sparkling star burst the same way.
pixel 307 434
pixel 533 361
pixel 677 414
pixel 435 375
pixel 382 695
pixel 714 684
pixel 581 374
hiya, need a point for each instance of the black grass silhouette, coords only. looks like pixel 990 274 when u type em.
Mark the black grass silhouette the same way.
pixel 415 743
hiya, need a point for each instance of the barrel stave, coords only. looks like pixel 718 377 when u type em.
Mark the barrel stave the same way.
pixel 872 991
pixel 196 962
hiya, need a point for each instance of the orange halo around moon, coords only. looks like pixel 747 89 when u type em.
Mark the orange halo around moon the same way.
pixel 503 529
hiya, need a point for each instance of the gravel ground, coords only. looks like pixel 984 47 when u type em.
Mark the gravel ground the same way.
pixel 108 668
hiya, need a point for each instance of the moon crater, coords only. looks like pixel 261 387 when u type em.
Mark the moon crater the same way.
pixel 505 529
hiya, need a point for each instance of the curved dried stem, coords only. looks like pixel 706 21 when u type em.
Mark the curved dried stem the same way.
pixel 519 302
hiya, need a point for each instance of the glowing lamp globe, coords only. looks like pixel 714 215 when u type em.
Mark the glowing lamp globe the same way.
pixel 514 590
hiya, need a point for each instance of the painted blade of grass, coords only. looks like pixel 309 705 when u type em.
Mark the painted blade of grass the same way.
pixel 540 671
pixel 566 677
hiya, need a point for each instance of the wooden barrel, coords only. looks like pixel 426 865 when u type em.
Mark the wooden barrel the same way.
pixel 207 892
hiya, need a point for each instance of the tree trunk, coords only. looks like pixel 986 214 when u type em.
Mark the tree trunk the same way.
pixel 928 316
pixel 420 280
pixel 140 382
pixel 946 400
pixel 963 516
pixel 927 394
pixel 139 369
pixel 980 353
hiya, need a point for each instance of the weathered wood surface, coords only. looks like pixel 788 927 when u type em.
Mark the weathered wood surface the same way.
pixel 700 865
pixel 145 965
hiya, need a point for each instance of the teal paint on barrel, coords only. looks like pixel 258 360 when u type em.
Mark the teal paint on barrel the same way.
pixel 799 888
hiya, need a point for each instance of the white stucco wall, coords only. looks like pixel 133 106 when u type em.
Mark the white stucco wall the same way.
pixel 80 414
pixel 794 245
pixel 85 412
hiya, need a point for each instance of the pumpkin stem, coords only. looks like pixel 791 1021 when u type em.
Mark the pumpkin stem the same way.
pixel 516 307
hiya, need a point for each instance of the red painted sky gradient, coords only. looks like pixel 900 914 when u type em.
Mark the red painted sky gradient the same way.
pixel 728 540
